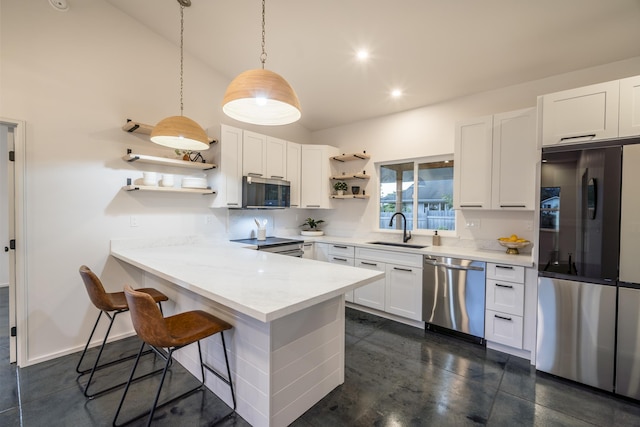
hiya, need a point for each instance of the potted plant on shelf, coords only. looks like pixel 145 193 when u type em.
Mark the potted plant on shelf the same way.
pixel 311 227
pixel 340 187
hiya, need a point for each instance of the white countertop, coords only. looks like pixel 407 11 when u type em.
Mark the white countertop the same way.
pixel 524 260
pixel 262 285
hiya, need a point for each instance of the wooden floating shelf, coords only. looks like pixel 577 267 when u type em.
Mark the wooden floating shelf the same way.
pixel 135 187
pixel 143 158
pixel 351 176
pixel 132 126
pixel 350 196
pixel 351 156
pixel 137 127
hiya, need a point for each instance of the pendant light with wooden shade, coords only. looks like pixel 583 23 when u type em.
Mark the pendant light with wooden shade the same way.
pixel 260 96
pixel 180 132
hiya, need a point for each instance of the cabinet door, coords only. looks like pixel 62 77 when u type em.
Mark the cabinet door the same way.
pixel 254 154
pixel 228 175
pixel 581 115
pixel 514 160
pixel 315 176
pixel 293 172
pixel 371 295
pixel 472 159
pixel 630 106
pixel 276 164
pixel 403 295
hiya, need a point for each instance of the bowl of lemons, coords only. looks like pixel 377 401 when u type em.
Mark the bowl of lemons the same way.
pixel 513 243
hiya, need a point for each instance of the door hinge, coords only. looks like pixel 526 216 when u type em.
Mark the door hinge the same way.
pixel 12 156
pixel 14 331
pixel 12 244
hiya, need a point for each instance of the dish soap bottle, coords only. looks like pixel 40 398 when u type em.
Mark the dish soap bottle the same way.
pixel 435 241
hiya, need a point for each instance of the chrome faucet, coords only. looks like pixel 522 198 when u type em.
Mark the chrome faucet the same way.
pixel 405 236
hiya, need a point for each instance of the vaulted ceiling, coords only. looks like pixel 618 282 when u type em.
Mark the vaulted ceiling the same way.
pixel 432 50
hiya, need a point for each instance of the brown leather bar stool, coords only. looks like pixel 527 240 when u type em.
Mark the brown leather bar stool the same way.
pixel 172 333
pixel 111 304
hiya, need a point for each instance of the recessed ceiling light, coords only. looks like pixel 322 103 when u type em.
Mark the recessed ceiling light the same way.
pixel 396 93
pixel 362 54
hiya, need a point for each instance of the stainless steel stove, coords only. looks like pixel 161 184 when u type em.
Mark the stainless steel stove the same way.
pixel 279 245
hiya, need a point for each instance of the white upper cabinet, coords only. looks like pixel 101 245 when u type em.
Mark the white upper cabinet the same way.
pixel 472 163
pixel 630 106
pixel 254 154
pixel 293 172
pixel 276 158
pixel 314 179
pixel 494 162
pixel 264 156
pixel 228 175
pixel 514 160
pixel 583 114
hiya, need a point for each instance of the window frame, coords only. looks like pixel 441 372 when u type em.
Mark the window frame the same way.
pixel 416 161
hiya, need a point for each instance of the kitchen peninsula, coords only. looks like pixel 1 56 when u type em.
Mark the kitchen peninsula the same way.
pixel 287 342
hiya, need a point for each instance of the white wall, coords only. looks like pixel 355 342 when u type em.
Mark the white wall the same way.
pixel 74 78
pixel 430 131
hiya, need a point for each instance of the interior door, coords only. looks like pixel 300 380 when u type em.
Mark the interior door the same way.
pixel 8 228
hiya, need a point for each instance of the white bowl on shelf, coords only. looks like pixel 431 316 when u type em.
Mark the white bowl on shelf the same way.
pixel 312 233
pixel 192 182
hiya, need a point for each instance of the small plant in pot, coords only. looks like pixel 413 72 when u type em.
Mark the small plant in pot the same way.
pixel 340 187
pixel 311 227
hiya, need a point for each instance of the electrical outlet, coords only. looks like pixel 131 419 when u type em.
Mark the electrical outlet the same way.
pixel 528 226
pixel 133 221
pixel 472 223
pixel 208 219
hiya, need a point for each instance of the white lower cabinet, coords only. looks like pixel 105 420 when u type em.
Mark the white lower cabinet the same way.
pixel 504 315
pixel 371 295
pixel 404 291
pixel 308 249
pixel 503 328
pixel 342 254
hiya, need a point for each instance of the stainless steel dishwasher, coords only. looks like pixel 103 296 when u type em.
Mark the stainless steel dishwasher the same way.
pixel 453 296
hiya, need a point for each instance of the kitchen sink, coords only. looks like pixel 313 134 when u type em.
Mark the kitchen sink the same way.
pixel 399 245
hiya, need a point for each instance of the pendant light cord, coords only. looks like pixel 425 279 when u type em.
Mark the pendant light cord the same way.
pixel 263 56
pixel 181 55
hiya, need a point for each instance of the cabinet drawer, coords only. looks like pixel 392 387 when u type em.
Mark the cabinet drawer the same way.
pixel 344 260
pixel 503 328
pixel 395 257
pixel 512 273
pixel 342 250
pixel 505 297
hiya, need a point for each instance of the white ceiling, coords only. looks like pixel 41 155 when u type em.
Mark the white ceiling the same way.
pixel 433 50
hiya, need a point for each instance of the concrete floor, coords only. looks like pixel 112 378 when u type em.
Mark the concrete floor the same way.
pixel 396 375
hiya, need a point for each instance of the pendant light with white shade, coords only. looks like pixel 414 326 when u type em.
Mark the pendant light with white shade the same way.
pixel 180 132
pixel 260 96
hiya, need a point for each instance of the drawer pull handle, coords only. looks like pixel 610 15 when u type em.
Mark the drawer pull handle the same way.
pixel 340 259
pixel 470 206
pixel 339 247
pixel 313 206
pixel 504 286
pixel 513 206
pixel 567 138
pixel 232 204
pixel 277 176
pixel 369 263
pixel 505 267
pixel 402 269
pixel 503 317
pixel 253 174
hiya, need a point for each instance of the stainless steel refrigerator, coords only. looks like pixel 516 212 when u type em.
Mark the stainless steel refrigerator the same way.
pixel 589 265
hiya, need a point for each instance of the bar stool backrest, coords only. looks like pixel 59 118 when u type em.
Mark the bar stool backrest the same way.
pixel 147 319
pixel 96 291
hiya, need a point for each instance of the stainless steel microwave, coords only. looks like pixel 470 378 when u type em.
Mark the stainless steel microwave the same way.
pixel 264 193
